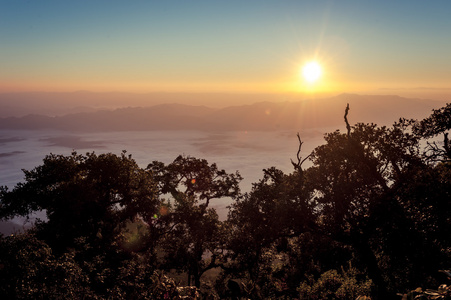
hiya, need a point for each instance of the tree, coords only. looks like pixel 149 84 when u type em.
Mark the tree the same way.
pixel 90 196
pixel 266 226
pixel 89 201
pixel 348 284
pixel 372 197
pixel 365 185
pixel 275 236
pixel 439 122
pixel 29 270
pixel 375 204
pixel 193 231
pixel 274 211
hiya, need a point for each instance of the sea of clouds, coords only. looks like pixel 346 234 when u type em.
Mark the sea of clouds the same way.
pixel 247 152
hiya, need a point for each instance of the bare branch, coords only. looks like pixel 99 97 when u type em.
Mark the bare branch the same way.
pixel 298 164
pixel 348 127
pixel 436 153
pixel 447 145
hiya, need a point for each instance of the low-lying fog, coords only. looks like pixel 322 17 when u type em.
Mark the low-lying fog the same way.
pixel 248 152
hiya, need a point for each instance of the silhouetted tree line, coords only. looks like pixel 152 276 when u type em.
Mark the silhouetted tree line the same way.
pixel 371 217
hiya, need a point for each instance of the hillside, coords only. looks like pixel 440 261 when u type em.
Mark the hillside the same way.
pixel 261 116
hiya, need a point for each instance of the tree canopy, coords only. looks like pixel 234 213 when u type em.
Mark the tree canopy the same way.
pixel 370 216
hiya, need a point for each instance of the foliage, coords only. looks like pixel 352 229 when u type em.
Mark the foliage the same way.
pixel 29 270
pixel 371 216
pixel 89 200
pixel 439 122
pixel 365 183
pixel 194 230
pixel 90 196
pixel 262 222
pixel 443 291
pixel 163 287
pixel 347 284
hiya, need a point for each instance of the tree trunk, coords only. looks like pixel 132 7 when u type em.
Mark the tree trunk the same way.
pixel 360 242
pixel 197 280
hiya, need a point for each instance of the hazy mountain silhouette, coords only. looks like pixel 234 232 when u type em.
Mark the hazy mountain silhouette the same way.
pixel 290 115
pixel 62 103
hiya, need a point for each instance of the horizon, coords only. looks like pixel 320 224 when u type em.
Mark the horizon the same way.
pixel 234 48
pixel 421 93
pixel 20 104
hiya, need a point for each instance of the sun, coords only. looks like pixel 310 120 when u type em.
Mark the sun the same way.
pixel 311 71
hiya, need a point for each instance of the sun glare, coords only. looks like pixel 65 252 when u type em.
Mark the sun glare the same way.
pixel 311 71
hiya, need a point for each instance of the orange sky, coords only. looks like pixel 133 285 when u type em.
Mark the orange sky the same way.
pixel 230 46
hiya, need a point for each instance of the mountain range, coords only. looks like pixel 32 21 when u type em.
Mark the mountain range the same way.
pixel 264 116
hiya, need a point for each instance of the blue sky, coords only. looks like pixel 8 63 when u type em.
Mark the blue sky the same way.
pixel 252 46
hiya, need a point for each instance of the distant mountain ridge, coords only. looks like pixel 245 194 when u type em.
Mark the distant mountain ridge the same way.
pixel 290 115
pixel 61 103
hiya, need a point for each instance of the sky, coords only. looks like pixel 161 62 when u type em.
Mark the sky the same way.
pixel 224 46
